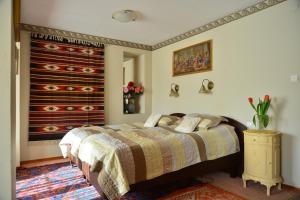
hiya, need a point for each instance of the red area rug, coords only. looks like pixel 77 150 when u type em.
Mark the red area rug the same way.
pixel 61 181
pixel 203 192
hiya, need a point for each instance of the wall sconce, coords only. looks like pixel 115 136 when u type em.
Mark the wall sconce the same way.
pixel 174 90
pixel 206 86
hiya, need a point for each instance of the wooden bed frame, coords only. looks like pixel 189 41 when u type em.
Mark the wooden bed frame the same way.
pixel 232 164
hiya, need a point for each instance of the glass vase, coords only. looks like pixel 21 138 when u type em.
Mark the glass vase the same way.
pixel 262 121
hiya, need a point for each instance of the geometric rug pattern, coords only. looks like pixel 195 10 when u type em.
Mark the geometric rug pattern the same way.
pixel 61 181
pixel 56 181
pixel 66 87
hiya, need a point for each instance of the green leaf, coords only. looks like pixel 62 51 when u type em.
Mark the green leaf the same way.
pixel 260 105
pixel 253 107
pixel 264 105
pixel 267 106
pixel 266 121
pixel 254 120
pixel 258 109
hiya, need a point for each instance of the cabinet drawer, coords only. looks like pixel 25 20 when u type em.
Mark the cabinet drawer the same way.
pixel 258 139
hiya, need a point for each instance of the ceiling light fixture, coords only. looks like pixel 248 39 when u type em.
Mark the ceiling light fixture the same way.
pixel 124 16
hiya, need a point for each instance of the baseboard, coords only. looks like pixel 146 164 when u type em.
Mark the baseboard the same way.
pixel 291 187
pixel 40 160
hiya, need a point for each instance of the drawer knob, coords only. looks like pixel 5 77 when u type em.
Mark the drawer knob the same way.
pixel 254 140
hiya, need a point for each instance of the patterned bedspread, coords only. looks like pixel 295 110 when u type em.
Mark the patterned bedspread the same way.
pixel 75 136
pixel 133 154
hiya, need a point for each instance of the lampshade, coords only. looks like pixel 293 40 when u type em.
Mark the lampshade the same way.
pixel 124 16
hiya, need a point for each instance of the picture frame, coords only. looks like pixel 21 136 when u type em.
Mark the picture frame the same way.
pixel 193 59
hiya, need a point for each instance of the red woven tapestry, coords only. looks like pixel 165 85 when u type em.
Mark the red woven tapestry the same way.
pixel 67 86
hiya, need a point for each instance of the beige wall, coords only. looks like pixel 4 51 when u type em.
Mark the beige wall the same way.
pixel 129 67
pixel 7 103
pixel 114 82
pixel 17 99
pixel 113 97
pixel 252 56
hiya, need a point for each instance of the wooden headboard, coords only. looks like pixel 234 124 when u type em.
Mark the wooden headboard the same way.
pixel 239 127
pixel 178 114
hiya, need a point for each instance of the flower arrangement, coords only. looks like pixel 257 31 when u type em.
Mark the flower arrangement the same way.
pixel 132 90
pixel 261 119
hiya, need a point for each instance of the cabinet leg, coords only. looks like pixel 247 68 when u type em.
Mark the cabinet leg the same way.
pixel 279 186
pixel 244 183
pixel 268 190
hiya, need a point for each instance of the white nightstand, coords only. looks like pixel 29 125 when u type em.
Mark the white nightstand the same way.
pixel 262 158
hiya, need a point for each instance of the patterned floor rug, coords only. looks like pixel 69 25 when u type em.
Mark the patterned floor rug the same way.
pixel 205 192
pixel 56 181
pixel 61 181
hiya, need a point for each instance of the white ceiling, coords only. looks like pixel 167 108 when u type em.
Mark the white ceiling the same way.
pixel 160 20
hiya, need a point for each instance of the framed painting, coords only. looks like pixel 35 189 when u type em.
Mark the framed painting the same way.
pixel 193 59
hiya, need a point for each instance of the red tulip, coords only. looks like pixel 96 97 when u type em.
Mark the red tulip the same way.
pixel 266 98
pixel 250 100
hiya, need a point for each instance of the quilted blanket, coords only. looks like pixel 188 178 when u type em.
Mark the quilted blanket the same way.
pixel 127 156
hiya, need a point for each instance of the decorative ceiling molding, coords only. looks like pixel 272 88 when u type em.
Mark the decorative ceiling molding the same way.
pixel 214 24
pixel 81 36
pixel 219 22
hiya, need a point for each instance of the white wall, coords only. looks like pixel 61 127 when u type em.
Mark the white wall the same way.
pixel 7 103
pixel 113 97
pixel 17 99
pixel 114 82
pixel 252 56
pixel 129 70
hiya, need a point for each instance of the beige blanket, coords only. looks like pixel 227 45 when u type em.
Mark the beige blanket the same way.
pixel 75 136
pixel 132 155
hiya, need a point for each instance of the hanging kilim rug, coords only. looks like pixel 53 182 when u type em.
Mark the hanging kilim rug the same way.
pixel 66 86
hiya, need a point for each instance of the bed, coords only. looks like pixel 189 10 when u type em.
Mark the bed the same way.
pixel 114 175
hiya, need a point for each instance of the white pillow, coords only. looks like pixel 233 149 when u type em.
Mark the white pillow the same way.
pixel 188 124
pixel 215 120
pixel 152 120
pixel 167 120
pixel 205 124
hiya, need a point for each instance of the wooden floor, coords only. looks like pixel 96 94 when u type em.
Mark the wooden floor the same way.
pixel 41 162
pixel 254 191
